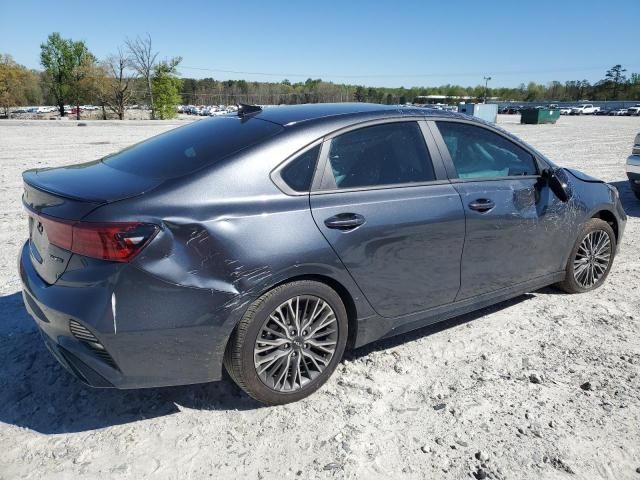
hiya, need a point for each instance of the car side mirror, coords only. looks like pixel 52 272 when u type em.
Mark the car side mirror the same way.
pixel 556 180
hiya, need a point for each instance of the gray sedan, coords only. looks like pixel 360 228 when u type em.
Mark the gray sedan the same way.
pixel 270 241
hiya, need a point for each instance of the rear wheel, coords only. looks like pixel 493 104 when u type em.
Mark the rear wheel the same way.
pixel 591 257
pixel 288 342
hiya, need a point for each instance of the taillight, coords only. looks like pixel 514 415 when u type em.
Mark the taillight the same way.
pixel 59 233
pixel 116 242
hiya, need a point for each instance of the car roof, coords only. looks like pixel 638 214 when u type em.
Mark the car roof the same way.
pixel 288 115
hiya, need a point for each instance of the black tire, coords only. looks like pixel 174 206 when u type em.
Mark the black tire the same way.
pixel 570 284
pixel 239 355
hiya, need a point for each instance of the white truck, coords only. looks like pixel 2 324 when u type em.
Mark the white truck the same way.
pixel 584 109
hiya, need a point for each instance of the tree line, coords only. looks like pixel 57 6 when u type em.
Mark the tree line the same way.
pixel 72 75
pixel 207 91
pixel 134 74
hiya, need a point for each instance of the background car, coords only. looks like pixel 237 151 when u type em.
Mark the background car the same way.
pixel 272 240
pixel 633 167
pixel 634 111
pixel 617 112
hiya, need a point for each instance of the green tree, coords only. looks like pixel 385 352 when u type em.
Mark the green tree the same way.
pixel 18 85
pixel 616 77
pixel 166 88
pixel 65 63
pixel 634 86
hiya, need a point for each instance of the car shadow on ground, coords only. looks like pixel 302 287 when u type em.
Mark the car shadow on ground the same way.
pixel 628 199
pixel 38 394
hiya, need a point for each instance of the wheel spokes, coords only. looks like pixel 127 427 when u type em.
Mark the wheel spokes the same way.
pixel 296 343
pixel 592 259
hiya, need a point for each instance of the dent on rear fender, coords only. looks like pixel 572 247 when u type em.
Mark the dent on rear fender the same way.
pixel 187 253
pixel 194 254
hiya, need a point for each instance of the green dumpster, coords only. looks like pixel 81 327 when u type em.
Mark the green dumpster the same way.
pixel 539 115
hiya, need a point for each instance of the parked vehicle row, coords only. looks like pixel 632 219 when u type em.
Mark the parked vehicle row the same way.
pixel 53 109
pixel 437 106
pixel 206 110
pixel 47 109
pixel 582 109
pixel 613 112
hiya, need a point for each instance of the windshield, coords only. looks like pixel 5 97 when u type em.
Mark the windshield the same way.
pixel 189 148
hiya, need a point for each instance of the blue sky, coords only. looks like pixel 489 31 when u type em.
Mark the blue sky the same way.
pixel 379 43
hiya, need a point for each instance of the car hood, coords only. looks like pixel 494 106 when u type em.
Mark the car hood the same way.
pixel 583 176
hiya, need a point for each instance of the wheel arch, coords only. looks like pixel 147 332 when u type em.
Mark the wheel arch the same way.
pixel 609 217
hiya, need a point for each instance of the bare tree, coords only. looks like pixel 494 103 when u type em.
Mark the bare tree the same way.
pixel 120 75
pixel 143 61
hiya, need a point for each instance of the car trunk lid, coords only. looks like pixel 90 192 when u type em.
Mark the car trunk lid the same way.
pixel 94 182
pixel 56 198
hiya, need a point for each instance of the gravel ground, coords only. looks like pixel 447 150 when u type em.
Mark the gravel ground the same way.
pixel 544 386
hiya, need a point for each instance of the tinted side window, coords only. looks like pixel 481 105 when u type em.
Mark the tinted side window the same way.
pixel 299 172
pixel 480 153
pixel 386 154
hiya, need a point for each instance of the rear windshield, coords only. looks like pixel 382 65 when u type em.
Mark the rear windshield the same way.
pixel 189 148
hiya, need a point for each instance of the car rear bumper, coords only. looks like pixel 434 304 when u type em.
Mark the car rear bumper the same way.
pixel 163 334
pixel 633 172
pixel 633 164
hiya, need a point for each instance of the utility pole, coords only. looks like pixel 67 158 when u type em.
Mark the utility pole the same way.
pixel 486 83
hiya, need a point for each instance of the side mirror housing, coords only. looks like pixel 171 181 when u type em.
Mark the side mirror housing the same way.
pixel 556 179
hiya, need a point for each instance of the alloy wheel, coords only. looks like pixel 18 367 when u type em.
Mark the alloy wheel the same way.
pixel 592 258
pixel 296 343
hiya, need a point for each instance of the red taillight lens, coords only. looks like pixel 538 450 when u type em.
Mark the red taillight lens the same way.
pixel 116 242
pixel 59 233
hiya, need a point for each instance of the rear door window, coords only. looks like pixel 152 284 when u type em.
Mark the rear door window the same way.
pixel 387 154
pixel 189 148
pixel 477 152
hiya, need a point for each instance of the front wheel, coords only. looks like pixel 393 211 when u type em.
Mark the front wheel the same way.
pixel 288 343
pixel 591 258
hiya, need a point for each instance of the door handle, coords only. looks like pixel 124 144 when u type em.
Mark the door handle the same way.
pixel 482 205
pixel 345 221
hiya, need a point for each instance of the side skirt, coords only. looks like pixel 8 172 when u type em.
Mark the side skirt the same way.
pixel 375 328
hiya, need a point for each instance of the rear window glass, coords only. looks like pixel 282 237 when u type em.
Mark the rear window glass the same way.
pixel 299 172
pixel 189 148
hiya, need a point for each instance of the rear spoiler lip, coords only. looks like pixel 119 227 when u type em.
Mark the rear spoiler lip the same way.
pixel 29 178
pixel 39 201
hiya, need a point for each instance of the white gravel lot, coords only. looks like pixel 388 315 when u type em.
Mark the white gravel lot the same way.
pixel 442 402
